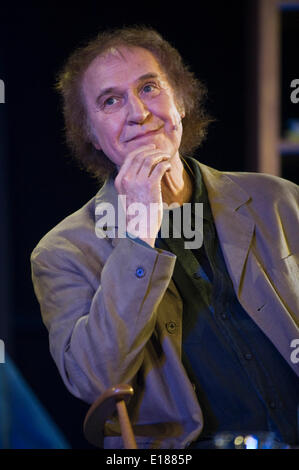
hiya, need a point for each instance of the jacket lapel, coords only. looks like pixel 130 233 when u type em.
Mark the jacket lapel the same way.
pixel 235 227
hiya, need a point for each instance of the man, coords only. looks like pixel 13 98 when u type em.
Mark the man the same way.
pixel 204 335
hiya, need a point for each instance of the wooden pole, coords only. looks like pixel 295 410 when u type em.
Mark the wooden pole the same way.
pixel 125 426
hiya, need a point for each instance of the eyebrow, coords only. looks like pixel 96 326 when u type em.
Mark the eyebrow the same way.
pixel 115 89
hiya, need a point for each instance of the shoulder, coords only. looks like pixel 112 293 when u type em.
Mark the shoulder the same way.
pixel 74 240
pixel 73 231
pixel 268 190
pixel 263 182
pixel 256 185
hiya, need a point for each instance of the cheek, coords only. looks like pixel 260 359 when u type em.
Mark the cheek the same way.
pixel 169 113
pixel 172 134
pixel 174 124
pixel 176 117
pixel 107 132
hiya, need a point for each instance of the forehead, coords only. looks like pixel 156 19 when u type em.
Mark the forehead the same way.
pixel 120 65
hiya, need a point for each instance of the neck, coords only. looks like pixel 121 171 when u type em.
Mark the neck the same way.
pixel 177 185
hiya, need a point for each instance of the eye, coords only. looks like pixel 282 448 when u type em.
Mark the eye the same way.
pixel 111 104
pixel 110 101
pixel 150 89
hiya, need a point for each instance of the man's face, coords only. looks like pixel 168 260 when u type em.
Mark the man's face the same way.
pixel 130 103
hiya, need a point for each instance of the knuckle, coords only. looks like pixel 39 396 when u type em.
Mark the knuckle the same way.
pixel 153 159
pixel 148 162
pixel 126 182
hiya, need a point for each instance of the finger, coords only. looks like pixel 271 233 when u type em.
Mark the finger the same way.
pixel 142 161
pixel 160 169
pixel 148 164
pixel 130 158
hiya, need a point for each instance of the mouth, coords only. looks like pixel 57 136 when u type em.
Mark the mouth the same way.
pixel 145 135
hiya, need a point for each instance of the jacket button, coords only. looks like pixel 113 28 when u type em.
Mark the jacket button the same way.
pixel 171 327
pixel 140 272
pixel 196 276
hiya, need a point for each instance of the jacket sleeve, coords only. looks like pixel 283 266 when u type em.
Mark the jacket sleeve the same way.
pixel 99 321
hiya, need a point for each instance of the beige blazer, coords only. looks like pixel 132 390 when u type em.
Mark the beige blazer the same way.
pixel 106 325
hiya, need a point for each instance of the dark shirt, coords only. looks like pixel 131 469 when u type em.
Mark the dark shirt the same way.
pixel 242 382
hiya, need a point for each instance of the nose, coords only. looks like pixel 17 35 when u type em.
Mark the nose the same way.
pixel 137 110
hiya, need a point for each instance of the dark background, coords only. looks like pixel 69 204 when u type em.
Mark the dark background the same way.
pixel 40 184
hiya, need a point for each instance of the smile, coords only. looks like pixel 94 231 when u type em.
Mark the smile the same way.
pixel 146 134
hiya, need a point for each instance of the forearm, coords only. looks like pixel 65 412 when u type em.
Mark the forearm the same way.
pixel 98 341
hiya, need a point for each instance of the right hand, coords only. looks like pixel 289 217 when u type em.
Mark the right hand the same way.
pixel 139 179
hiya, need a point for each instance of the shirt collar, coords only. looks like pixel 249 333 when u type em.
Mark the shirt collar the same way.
pixel 200 193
